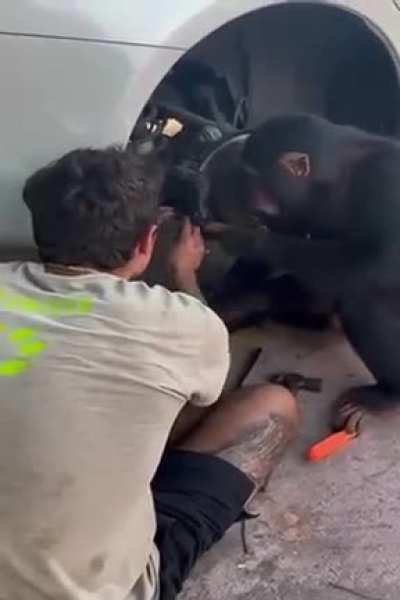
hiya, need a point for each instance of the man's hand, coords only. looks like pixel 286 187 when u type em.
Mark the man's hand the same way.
pixel 188 251
pixel 165 214
pixel 185 259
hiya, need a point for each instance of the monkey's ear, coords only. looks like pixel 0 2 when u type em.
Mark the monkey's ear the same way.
pixel 296 164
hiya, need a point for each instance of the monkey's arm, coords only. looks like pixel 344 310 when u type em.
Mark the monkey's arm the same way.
pixel 320 264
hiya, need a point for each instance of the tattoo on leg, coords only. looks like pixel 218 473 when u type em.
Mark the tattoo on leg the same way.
pixel 260 448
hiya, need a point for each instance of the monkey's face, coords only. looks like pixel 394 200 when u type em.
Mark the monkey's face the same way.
pixel 280 190
pixel 281 161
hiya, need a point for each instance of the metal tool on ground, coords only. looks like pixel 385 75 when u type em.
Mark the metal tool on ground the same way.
pixel 250 362
pixel 332 444
pixel 296 382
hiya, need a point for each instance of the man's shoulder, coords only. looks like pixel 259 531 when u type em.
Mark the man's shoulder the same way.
pixel 167 304
pixel 9 267
pixel 131 302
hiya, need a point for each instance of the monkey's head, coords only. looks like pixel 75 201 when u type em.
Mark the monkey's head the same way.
pixel 294 162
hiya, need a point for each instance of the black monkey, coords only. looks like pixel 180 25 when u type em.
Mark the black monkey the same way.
pixel 329 196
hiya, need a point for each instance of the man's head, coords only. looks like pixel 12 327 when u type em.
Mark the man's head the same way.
pixel 96 208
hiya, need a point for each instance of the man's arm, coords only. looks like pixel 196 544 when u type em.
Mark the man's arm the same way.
pixel 186 283
pixel 206 371
pixel 185 259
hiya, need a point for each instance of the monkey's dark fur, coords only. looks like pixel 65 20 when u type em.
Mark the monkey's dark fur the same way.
pixel 330 197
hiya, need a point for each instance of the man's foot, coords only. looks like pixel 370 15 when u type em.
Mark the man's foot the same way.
pixel 355 404
pixel 250 428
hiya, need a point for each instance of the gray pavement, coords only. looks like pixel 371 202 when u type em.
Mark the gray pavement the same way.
pixel 326 531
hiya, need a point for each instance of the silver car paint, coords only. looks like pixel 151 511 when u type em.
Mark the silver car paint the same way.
pixel 78 72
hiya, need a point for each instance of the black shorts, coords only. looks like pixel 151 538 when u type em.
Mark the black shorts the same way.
pixel 197 498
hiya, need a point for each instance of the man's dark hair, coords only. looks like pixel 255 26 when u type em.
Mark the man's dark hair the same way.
pixel 90 207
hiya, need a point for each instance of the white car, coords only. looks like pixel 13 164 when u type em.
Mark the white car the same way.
pixel 79 72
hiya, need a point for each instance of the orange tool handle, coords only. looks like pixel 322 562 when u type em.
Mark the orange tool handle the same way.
pixel 330 445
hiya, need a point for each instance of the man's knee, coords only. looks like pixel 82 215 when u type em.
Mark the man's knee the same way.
pixel 277 400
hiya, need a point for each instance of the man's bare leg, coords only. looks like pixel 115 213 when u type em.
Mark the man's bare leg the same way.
pixel 189 417
pixel 250 428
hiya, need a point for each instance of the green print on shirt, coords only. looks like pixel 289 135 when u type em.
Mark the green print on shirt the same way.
pixel 27 345
pixel 14 301
pixel 26 341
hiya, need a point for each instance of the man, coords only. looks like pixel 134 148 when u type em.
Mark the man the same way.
pixel 95 366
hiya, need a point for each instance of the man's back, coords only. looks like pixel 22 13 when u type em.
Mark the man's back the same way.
pixel 93 371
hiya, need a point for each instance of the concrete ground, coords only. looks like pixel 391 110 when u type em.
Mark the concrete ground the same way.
pixel 326 531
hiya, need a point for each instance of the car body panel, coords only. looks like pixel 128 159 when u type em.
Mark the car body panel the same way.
pixel 171 23
pixel 59 95
pixel 78 73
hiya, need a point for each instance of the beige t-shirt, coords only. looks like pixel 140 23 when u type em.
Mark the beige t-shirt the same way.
pixel 93 372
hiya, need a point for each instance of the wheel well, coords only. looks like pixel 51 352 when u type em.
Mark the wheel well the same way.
pixel 305 57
